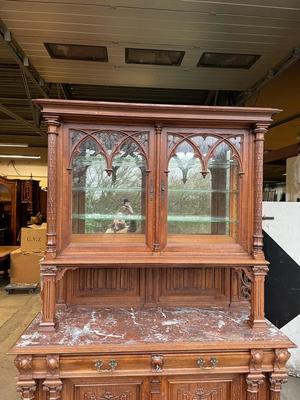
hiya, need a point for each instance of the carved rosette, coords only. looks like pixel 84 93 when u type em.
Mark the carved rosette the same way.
pixel 53 124
pixel 259 131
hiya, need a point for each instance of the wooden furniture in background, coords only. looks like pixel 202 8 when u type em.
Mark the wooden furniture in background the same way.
pixel 153 280
pixel 19 200
pixel 10 196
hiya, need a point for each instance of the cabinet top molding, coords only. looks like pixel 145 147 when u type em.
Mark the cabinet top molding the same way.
pixel 86 110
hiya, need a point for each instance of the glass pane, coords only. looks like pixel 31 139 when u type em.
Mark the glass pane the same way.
pixel 109 201
pixel 202 203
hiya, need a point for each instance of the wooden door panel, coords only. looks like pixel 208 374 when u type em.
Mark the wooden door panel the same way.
pixel 205 389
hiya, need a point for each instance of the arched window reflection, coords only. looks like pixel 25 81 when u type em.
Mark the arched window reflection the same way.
pixel 108 200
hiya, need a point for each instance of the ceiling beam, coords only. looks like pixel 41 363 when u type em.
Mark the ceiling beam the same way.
pixel 17 117
pixel 293 57
pixel 21 59
pixel 283 153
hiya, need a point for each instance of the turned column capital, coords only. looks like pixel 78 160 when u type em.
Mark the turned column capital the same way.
pixel 53 122
pixel 260 128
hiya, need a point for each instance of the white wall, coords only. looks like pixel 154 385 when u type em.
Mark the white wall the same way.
pixel 293 178
pixel 285 228
pixel 285 231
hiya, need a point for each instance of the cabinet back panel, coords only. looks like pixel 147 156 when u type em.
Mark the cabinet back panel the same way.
pixel 142 287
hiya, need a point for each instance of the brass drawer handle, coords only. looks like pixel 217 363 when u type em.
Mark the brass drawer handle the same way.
pixel 213 362
pixel 112 366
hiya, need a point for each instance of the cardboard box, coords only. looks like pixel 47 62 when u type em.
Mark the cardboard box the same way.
pixel 33 240
pixel 25 267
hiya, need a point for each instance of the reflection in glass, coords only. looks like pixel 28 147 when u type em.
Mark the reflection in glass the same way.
pixel 199 201
pixel 108 200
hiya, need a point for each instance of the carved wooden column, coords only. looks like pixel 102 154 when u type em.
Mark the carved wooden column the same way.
pixel 279 376
pixel 259 131
pixel 257 316
pixel 26 386
pixel 53 124
pixel 160 187
pixel 53 384
pixel 255 378
pixel 48 286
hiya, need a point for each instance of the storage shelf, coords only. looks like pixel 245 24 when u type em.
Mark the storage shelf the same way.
pixel 110 217
pixel 203 219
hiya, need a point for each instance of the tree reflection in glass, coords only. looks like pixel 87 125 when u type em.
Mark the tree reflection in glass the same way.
pixel 108 200
pixel 202 200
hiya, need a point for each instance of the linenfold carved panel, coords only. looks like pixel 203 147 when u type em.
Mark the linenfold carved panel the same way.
pixel 194 285
pixel 127 286
pixel 109 286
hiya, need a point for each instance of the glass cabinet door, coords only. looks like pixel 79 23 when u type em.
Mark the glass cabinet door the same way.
pixel 203 185
pixel 110 173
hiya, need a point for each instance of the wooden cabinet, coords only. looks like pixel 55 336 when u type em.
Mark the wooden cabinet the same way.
pixel 153 279
pixel 19 200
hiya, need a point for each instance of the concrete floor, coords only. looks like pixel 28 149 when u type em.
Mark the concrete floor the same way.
pixel 17 311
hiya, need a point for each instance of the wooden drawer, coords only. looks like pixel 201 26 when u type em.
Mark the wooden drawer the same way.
pixel 149 364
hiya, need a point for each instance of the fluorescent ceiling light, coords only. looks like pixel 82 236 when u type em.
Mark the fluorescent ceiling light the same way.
pixel 153 56
pixel 19 156
pixel 77 52
pixel 227 60
pixel 14 145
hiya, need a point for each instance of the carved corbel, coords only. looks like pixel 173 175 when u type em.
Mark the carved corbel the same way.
pixel 281 358
pixel 256 359
pixel 255 378
pixel 26 386
pixel 54 388
pixel 61 271
pixel 52 363
pixel 23 364
pixel 27 389
pixel 279 376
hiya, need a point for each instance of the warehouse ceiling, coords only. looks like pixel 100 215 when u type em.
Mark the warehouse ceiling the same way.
pixel 182 32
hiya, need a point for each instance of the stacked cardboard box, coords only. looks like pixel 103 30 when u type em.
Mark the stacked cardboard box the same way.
pixel 24 262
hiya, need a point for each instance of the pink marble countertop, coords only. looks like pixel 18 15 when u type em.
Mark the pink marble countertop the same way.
pixel 150 328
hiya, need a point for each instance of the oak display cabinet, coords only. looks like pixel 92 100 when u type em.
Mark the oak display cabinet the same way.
pixel 153 280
